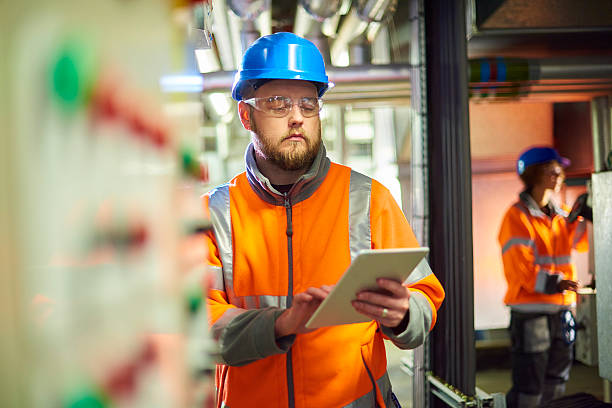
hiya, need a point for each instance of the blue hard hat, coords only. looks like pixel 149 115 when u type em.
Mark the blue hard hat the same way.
pixel 537 155
pixel 281 56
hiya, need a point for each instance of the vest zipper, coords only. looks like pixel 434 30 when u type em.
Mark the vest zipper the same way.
pixel 289 232
pixel 372 380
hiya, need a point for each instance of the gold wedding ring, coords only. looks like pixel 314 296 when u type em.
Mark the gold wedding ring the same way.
pixel 384 312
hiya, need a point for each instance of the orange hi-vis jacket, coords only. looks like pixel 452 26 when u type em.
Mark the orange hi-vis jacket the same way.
pixel 266 247
pixel 536 252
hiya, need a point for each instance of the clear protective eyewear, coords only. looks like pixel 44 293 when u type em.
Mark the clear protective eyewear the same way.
pixel 279 106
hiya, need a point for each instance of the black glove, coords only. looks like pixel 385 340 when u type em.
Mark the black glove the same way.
pixel 581 208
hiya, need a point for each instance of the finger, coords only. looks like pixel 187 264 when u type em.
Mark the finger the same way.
pixel 386 299
pixel 393 286
pixel 385 316
pixel 368 309
pixel 376 299
pixel 317 293
pixel 327 288
pixel 302 297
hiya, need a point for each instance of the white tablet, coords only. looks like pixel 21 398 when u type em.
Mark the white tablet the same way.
pixel 368 266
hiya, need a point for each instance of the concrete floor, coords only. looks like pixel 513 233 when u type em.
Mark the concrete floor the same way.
pixel 492 376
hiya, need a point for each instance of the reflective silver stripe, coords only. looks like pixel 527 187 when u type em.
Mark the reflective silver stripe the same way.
pixel 219 206
pixel 542 280
pixel 543 260
pixel 360 191
pixel 421 271
pixel 556 260
pixel 539 260
pixel 425 308
pixel 260 302
pixel 226 317
pixel 517 241
pixel 369 399
pixel 366 401
pixel 217 277
pixel 579 233
pixel 539 307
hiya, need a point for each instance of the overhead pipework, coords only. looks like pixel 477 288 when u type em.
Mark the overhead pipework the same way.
pixel 366 13
pixel 248 11
pixel 222 36
pixel 318 19
pixel 354 84
pixel 360 52
pixel 569 77
pixel 321 9
pixel 326 13
pixel 375 10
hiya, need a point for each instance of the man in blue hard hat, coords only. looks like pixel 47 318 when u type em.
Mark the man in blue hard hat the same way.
pixel 537 237
pixel 284 231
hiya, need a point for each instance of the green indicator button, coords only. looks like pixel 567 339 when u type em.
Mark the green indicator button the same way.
pixel 73 74
pixel 193 297
pixel 86 399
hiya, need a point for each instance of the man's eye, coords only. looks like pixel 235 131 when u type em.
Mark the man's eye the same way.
pixel 275 103
pixel 308 103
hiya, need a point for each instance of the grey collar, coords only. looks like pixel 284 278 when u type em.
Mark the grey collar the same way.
pixel 534 209
pixel 303 188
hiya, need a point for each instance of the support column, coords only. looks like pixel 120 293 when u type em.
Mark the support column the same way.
pixel 450 192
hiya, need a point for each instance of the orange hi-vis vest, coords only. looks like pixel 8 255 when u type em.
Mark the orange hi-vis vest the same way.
pixel 536 253
pixel 265 248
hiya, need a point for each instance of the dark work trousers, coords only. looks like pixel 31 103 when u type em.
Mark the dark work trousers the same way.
pixel 541 358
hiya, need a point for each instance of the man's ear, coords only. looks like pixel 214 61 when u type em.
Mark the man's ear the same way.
pixel 245 115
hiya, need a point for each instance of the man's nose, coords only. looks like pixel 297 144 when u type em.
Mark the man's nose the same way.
pixel 295 114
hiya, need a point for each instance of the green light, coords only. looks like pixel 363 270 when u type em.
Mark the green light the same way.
pixel 73 74
pixel 87 398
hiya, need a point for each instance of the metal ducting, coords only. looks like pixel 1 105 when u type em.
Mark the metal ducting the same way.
pixel 326 13
pixel 313 19
pixel 375 10
pixel 365 83
pixel 360 52
pixel 321 9
pixel 222 36
pixel 365 13
pixel 321 41
pixel 499 77
pixel 557 15
pixel 303 21
pixel 248 9
pixel 248 34
pixel 352 26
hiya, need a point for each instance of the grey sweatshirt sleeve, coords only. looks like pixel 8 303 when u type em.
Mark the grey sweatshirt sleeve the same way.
pixel 249 336
pixel 418 324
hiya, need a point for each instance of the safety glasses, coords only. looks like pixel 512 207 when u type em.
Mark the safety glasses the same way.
pixel 279 106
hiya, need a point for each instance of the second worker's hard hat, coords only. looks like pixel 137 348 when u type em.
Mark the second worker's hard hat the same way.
pixel 537 155
pixel 281 56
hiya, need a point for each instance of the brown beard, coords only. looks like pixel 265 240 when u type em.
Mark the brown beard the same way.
pixel 291 160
